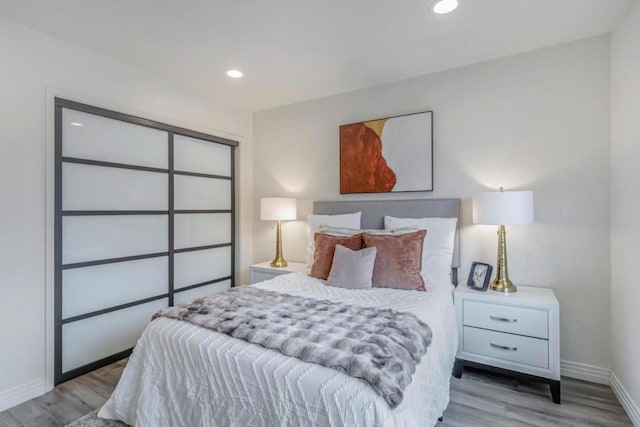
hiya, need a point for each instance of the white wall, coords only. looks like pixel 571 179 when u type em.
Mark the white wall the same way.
pixel 625 208
pixel 34 68
pixel 538 120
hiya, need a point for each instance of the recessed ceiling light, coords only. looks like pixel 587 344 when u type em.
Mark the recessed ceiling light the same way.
pixel 235 74
pixel 76 124
pixel 445 6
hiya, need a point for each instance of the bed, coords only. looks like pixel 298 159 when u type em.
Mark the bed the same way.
pixel 183 375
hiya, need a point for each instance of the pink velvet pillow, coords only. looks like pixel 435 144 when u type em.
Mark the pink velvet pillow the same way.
pixel 398 261
pixel 325 248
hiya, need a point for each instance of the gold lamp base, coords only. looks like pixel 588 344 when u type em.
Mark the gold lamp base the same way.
pixel 279 261
pixel 506 287
pixel 502 283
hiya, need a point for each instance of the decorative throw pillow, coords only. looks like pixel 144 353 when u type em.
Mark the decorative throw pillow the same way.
pixel 398 260
pixel 437 253
pixel 325 246
pixel 314 222
pixel 352 269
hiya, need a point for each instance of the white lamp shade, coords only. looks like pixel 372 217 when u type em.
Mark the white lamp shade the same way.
pixel 278 208
pixel 503 208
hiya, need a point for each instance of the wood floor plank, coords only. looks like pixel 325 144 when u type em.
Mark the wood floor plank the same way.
pixel 460 415
pixel 562 418
pixel 8 420
pixel 100 381
pixel 475 396
pixel 30 414
pixel 64 407
pixel 83 392
pixel 477 399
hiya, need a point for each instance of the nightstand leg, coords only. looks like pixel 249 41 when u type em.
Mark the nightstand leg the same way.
pixel 458 366
pixel 554 386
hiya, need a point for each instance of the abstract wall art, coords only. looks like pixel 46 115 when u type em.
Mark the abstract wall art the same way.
pixel 394 154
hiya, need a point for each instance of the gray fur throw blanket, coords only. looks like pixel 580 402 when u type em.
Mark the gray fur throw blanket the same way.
pixel 379 346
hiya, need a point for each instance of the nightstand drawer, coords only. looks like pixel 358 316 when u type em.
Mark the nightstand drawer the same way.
pixel 263 271
pixel 499 345
pixel 505 318
pixel 261 276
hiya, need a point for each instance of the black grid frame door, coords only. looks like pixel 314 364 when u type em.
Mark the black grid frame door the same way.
pixel 105 295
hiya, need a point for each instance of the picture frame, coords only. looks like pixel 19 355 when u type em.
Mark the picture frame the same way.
pixel 479 276
pixel 387 155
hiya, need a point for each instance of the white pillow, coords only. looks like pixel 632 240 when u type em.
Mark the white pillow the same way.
pixel 437 252
pixel 314 222
pixel 352 269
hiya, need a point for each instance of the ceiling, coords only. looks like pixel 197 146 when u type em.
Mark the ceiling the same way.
pixel 295 50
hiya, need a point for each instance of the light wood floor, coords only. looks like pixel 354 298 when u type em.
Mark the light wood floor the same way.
pixel 478 399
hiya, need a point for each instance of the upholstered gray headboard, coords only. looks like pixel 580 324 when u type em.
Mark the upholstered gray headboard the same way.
pixel 373 212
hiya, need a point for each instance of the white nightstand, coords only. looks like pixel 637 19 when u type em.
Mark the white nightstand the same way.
pixel 516 334
pixel 264 271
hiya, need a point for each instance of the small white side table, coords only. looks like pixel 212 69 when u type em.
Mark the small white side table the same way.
pixel 516 334
pixel 263 271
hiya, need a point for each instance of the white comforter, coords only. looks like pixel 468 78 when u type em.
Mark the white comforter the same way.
pixel 183 375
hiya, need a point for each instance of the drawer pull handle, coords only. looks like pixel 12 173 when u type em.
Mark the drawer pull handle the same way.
pixel 503 347
pixel 503 319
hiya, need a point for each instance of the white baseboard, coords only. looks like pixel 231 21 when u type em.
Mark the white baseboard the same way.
pixel 632 409
pixel 594 374
pixel 21 393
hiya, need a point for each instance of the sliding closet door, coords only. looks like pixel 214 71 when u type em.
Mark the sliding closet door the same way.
pixel 204 227
pixel 144 219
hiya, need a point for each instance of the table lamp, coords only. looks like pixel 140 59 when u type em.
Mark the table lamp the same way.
pixel 278 209
pixel 503 208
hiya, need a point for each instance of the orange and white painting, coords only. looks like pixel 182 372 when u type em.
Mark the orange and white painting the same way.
pixel 387 155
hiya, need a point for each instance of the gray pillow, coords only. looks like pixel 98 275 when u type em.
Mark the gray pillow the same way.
pixel 352 269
